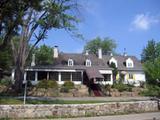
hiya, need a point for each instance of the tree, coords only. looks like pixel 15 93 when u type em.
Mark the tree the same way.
pixel 115 70
pixel 31 20
pixel 12 14
pixel 6 58
pixel 149 52
pixel 107 45
pixel 152 71
pixel 158 49
pixel 44 55
pixel 151 59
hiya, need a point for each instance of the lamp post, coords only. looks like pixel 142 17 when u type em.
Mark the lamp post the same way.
pixel 25 91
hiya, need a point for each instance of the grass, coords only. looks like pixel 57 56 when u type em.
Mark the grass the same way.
pixel 9 101
pixel 61 102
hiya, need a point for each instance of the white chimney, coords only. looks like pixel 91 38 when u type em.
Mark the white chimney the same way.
pixel 33 60
pixel 111 54
pixel 86 52
pixel 125 53
pixel 100 53
pixel 55 52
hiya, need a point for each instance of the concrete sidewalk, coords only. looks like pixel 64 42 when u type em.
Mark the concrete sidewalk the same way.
pixel 141 116
pixel 114 99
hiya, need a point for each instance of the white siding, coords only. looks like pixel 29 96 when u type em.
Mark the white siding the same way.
pixel 107 72
pixel 138 77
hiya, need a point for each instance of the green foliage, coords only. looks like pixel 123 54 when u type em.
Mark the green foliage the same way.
pixel 67 86
pixel 47 84
pixel 151 59
pixel 108 87
pixel 152 71
pixel 115 70
pixel 122 87
pixel 152 90
pixel 107 45
pixel 151 51
pixel 6 81
pixel 5 57
pixel 44 55
pixel 31 20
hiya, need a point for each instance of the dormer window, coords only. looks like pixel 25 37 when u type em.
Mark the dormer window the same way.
pixel 88 63
pixel 70 62
pixel 113 60
pixel 129 63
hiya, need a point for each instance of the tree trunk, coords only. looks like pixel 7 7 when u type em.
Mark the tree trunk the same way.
pixel 19 72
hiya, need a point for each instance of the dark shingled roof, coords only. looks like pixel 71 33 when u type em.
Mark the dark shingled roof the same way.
pixel 93 73
pixel 79 59
pixel 79 62
pixel 121 62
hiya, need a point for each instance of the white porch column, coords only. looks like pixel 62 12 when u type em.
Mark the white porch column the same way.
pixel 12 76
pixel 36 76
pixel 25 75
pixel 82 76
pixel 71 76
pixel 59 76
pixel 111 79
pixel 47 75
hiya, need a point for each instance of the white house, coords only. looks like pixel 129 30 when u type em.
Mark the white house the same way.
pixel 86 68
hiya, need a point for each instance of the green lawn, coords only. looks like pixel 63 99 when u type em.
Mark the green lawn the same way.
pixel 6 101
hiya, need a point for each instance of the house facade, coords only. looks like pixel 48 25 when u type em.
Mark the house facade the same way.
pixel 86 68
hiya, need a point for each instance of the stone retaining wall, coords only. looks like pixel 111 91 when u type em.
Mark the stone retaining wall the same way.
pixel 70 110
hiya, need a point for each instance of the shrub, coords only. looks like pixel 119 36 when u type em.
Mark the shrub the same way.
pixel 152 90
pixel 6 81
pixel 47 84
pixel 142 84
pixel 67 86
pixel 64 90
pixel 122 87
pixel 108 87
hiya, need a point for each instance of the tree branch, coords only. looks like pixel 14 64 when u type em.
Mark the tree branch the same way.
pixel 39 38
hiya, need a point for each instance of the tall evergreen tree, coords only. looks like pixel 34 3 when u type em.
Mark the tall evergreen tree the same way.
pixel 149 52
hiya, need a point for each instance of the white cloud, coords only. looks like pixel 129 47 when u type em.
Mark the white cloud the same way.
pixel 143 22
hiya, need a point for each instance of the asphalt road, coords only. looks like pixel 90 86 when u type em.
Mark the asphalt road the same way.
pixel 141 116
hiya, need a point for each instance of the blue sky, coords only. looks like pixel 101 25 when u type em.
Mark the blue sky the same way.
pixel 131 23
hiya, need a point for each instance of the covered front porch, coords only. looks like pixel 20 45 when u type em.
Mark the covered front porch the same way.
pixel 76 76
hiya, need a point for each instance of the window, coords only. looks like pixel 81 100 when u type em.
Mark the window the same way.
pixel 30 75
pixel 42 75
pixel 107 77
pixel 53 76
pixel 130 76
pixel 65 76
pixel 113 60
pixel 130 65
pixel 88 63
pixel 70 62
pixel 76 76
